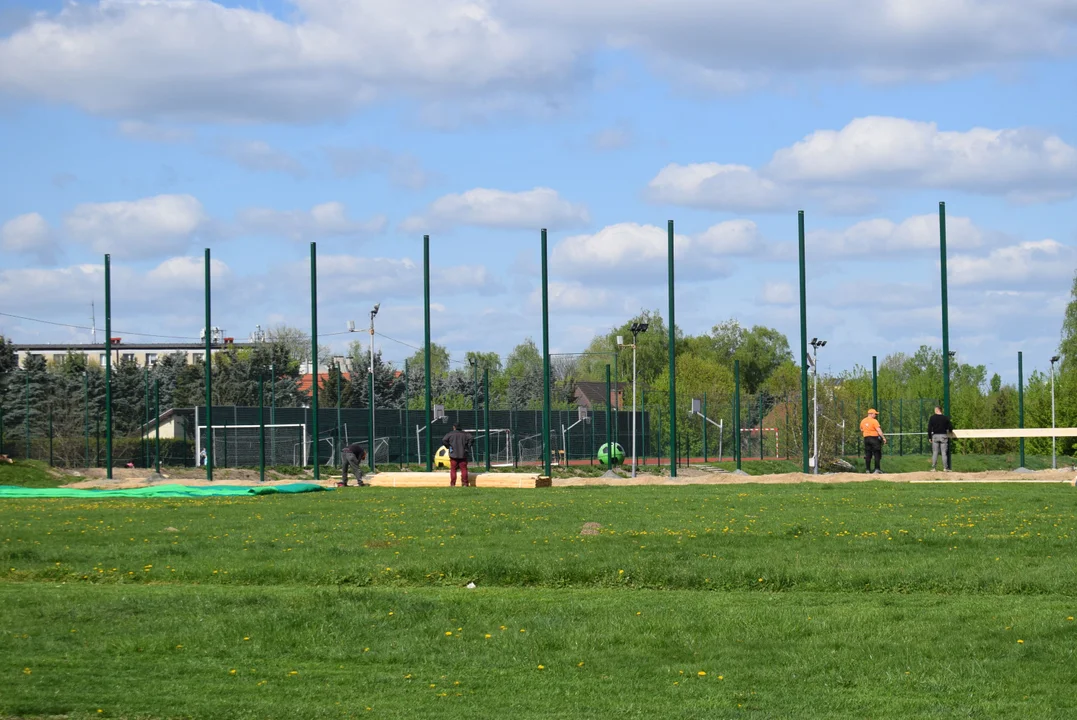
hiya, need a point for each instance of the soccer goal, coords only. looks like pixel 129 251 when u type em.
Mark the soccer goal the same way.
pixel 240 445
pixel 501 452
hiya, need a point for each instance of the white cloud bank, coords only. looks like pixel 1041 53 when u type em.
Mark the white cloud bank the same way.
pixel 483 207
pixel 203 60
pixel 1024 165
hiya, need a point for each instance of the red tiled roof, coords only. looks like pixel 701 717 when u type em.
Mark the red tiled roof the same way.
pixel 304 380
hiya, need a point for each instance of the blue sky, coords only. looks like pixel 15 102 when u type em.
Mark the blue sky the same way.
pixel 152 130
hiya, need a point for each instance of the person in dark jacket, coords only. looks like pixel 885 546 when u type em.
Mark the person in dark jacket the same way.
pixel 353 456
pixel 459 443
pixel 939 428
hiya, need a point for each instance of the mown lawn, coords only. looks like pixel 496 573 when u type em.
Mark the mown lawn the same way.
pixel 865 600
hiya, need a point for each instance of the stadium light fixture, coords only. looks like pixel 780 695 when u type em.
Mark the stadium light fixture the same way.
pixel 816 343
pixel 637 329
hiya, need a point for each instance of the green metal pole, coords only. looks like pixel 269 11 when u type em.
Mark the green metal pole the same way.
pixel 426 352
pixel 672 357
pixel 51 458
pixel 875 382
pixel 2 428
pixel 546 361
pixel 920 427
pixel 803 350
pixel 407 421
pixel 273 413
pixel 314 354
pixel 146 405
pixel 736 412
pixel 370 425
pixel 26 419
pixel 901 426
pixel 262 429
pixel 209 378
pixel 224 430
pixel 609 423
pixel 157 424
pixel 945 313
pixel 616 394
pixel 475 394
pixel 643 409
pixel 86 415
pixel 108 367
pixel 1021 404
pixel 486 413
pixel 760 426
pixel 340 436
pixel 705 416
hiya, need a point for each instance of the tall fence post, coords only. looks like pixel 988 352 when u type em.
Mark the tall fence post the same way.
pixel 262 429
pixel 426 351
pixel 208 366
pixel 157 424
pixel 85 419
pixel 945 313
pixel 486 413
pixel 609 425
pixel 705 416
pixel 803 349
pixel 736 412
pixel 52 461
pixel 1021 404
pixel 314 356
pixel 875 381
pixel 547 468
pixel 108 366
pixel 672 356
pixel 407 422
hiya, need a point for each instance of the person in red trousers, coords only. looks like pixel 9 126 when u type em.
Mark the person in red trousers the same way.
pixel 459 443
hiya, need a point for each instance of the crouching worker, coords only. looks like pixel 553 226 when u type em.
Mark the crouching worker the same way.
pixel 353 456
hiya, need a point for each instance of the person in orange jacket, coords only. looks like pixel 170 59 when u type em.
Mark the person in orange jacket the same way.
pixel 874 439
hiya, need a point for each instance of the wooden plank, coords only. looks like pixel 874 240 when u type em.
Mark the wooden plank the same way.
pixel 441 479
pixel 1013 433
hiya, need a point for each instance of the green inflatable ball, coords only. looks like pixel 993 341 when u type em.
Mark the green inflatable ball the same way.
pixel 617 457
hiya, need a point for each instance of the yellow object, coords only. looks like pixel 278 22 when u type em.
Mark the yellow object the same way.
pixel 441 457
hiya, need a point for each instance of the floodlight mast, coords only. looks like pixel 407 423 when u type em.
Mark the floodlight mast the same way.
pixel 372 434
pixel 816 343
pixel 1054 448
pixel 637 329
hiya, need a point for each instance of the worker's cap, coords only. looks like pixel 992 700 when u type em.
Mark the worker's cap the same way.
pixel 873 411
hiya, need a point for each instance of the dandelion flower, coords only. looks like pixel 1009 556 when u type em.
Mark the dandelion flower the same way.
pixel 702 673
pixel 232 671
pixel 488 636
pixel 1020 642
pixel 26 671
pixel 541 667
pixel 448 632
pixel 721 677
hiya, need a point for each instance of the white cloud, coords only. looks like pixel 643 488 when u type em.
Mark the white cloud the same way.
pixel 612 138
pixel 212 61
pixel 378 278
pixel 186 273
pixel 569 298
pixel 872 238
pixel 530 209
pixel 151 132
pixel 403 170
pixel 259 156
pixel 322 221
pixel 729 45
pixel 1031 263
pixel 777 293
pixel 839 168
pixel 136 229
pixel 737 188
pixel 29 234
pixel 641 251
pixel 1023 163
pixel 204 60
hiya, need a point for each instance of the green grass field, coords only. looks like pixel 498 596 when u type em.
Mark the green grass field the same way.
pixel 870 600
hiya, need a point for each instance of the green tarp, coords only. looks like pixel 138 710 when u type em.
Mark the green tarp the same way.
pixel 159 491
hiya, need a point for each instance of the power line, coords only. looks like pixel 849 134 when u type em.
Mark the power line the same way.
pixel 86 327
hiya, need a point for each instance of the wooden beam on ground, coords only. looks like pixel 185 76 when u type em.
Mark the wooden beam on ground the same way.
pixel 982 433
pixel 441 479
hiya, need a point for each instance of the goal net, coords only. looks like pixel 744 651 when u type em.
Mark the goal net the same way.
pixel 240 445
